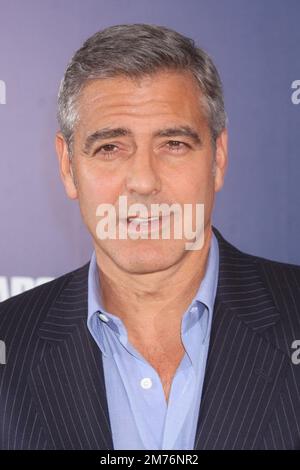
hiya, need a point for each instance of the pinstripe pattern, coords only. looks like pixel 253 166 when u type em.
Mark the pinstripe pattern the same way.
pixel 52 389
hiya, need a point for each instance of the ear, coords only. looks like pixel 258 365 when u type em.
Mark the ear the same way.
pixel 221 159
pixel 65 166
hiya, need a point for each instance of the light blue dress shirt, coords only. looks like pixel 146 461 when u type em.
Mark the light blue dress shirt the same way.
pixel 139 415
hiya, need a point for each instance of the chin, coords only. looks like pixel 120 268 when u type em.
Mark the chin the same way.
pixel 143 257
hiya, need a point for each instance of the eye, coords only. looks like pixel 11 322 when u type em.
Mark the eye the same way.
pixel 107 151
pixel 177 146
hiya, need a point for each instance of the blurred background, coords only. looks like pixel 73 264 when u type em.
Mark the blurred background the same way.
pixel 256 48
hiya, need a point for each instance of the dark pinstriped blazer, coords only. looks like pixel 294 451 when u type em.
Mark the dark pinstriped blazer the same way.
pixel 52 390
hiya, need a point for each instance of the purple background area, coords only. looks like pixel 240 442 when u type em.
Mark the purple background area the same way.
pixel 256 47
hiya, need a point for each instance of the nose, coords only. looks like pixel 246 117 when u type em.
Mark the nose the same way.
pixel 143 178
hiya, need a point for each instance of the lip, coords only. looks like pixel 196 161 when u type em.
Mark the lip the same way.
pixel 144 225
pixel 140 220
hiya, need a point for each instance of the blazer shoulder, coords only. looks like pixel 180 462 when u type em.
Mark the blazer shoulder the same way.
pixel 283 271
pixel 274 280
pixel 282 279
pixel 233 252
pixel 37 299
pixel 277 273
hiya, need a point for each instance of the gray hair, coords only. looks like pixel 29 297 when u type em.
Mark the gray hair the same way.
pixel 136 50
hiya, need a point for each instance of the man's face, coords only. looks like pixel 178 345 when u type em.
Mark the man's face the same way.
pixel 156 149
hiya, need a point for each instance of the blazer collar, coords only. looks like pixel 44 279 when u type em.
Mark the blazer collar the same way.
pixel 68 383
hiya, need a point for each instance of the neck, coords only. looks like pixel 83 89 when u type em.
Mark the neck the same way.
pixel 141 300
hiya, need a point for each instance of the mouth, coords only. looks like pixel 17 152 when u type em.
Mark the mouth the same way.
pixel 144 224
pixel 142 220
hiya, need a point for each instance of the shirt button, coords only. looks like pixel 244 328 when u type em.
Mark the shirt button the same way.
pixel 103 317
pixel 146 383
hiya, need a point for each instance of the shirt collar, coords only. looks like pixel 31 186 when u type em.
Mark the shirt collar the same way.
pixel 204 297
pixel 207 290
pixel 96 310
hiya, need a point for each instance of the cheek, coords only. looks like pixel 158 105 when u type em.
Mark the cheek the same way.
pixel 195 184
pixel 96 187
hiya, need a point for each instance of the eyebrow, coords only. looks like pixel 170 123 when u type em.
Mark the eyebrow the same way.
pixel 103 134
pixel 185 131
pixel 112 133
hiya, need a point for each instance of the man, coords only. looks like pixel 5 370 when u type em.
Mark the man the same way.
pixel 150 345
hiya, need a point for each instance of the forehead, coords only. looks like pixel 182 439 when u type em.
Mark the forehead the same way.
pixel 166 95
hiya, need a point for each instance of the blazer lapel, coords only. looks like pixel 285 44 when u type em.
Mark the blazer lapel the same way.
pixel 68 383
pixel 244 371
